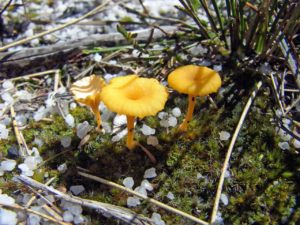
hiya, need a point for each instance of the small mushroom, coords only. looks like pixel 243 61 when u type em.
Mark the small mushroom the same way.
pixel 194 81
pixel 134 97
pixel 88 92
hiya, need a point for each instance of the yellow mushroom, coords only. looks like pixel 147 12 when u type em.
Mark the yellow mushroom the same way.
pixel 134 97
pixel 194 81
pixel 88 92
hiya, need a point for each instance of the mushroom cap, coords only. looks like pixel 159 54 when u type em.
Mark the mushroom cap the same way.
pixel 134 96
pixel 87 90
pixel 194 80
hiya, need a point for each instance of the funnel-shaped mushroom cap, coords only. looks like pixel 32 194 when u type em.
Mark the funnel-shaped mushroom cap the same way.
pixel 87 90
pixel 194 80
pixel 134 96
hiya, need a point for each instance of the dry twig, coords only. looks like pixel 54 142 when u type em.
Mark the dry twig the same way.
pixel 151 200
pixel 118 212
pixel 229 151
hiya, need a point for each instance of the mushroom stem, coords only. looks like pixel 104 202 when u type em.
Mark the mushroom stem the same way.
pixel 130 127
pixel 189 114
pixel 98 117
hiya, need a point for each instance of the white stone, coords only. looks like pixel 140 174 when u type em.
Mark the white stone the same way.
pixel 133 201
pixel 97 57
pixel 217 68
pixel 8 165
pixel 141 190
pixel 176 112
pixel 62 168
pixel 6 97
pixel 3 132
pixel 77 189
pixel 78 219
pixel 284 145
pixel 7 84
pixel 152 140
pixel 164 123
pixel 73 105
pixel 150 173
pixel 227 174
pixel 40 113
pixel 6 200
pixel 120 120
pixel 163 115
pixel 75 209
pixel 172 121
pixel 119 135
pixel 68 216
pixel 156 217
pixel 128 182
pixel 31 162
pixel 147 185
pixel 25 170
pixel 83 129
pixel 33 219
pixel 38 142
pixel 24 95
pixel 8 217
pixel 66 141
pixel 146 130
pixel 170 196
pixel 224 135
pixel 224 199
pixel 296 143
pixel 70 120
pixel 219 219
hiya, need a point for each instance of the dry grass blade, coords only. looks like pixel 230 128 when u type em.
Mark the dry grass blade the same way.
pixel 118 212
pixel 229 151
pixel 25 40
pixel 160 204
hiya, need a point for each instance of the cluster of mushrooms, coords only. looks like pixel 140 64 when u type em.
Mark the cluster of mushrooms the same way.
pixel 136 96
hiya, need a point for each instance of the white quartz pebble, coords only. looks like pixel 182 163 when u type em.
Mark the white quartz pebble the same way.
pixel 77 189
pixel 147 185
pixel 224 135
pixel 172 121
pixel 133 201
pixel 146 130
pixel 6 200
pixel 68 216
pixel 150 173
pixel 284 145
pixel 66 141
pixel 224 199
pixel 8 165
pixel 8 217
pixel 70 120
pixel 170 196
pixel 128 182
pixel 176 112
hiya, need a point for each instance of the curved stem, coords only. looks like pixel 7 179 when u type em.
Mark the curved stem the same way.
pixel 130 127
pixel 189 114
pixel 98 117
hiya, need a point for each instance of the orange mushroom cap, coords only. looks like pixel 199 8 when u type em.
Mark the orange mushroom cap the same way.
pixel 194 80
pixel 87 90
pixel 134 96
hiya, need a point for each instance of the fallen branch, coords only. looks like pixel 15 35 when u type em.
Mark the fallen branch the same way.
pixel 14 63
pixel 118 212
pixel 151 200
